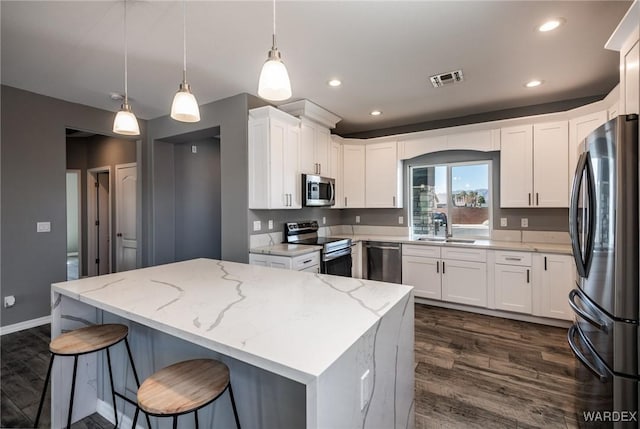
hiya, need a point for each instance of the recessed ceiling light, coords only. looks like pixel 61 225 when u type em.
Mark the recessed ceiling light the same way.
pixel 533 83
pixel 335 82
pixel 551 24
pixel 375 113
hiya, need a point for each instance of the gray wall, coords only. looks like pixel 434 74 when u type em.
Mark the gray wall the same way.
pixel 197 200
pixel 33 188
pixel 279 217
pixel 230 116
pixel 92 152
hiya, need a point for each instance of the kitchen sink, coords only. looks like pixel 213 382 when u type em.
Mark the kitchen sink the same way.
pixel 447 240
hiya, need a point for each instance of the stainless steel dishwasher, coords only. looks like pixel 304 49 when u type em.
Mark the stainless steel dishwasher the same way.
pixel 382 261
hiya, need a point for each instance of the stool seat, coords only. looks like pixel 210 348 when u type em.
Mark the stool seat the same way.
pixel 183 387
pixel 88 340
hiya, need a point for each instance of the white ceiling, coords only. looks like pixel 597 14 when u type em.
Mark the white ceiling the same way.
pixel 383 51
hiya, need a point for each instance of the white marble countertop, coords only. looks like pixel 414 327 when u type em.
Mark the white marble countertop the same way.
pixel 285 249
pixel 292 323
pixel 480 244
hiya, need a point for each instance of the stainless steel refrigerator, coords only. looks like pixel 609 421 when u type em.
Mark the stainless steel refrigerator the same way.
pixel 603 224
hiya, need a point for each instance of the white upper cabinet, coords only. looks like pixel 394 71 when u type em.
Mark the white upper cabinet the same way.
pixel 353 175
pixel 315 140
pixel 579 128
pixel 335 171
pixel 533 166
pixel 383 184
pixel 274 139
pixel 315 135
pixel 550 163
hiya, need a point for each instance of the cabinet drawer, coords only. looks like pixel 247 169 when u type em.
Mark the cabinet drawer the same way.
pixel 304 261
pixel 420 250
pixel 464 254
pixel 513 258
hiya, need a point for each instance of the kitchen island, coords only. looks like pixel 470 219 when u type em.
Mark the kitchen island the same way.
pixel 304 350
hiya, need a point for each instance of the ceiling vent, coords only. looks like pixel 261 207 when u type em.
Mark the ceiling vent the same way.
pixel 446 78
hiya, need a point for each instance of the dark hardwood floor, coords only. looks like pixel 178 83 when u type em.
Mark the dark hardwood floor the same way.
pixel 472 371
pixel 475 371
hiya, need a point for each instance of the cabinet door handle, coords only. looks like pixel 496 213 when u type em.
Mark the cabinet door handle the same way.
pixel 438 267
pixel 394 201
pixel 443 267
pixel 307 261
pixel 537 202
pixel 345 201
pixel 545 263
pixel 512 258
pixel 527 275
pixel 529 198
pixel 319 168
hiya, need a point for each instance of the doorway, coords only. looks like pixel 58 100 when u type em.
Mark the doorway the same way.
pixel 99 221
pixel 74 225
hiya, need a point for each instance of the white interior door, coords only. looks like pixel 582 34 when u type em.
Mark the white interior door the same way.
pixel 126 231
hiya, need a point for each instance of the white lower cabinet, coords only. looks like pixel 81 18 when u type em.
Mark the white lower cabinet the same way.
pixel 309 262
pixel 449 274
pixel 513 281
pixel 554 277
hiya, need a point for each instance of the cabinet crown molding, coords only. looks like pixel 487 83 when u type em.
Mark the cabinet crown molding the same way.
pixel 272 112
pixel 309 110
pixel 625 28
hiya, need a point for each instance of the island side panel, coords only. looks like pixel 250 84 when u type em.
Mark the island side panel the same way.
pixel 264 399
pixel 385 399
pixel 68 314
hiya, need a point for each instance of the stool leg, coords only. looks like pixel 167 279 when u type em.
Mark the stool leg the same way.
pixel 233 404
pixel 135 418
pixel 44 391
pixel 73 389
pixel 113 390
pixel 175 422
pixel 196 415
pixel 135 375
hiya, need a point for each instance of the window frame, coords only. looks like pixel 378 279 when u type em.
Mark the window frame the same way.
pixel 449 166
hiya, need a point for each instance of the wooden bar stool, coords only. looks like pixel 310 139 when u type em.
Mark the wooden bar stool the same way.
pixel 84 341
pixel 184 387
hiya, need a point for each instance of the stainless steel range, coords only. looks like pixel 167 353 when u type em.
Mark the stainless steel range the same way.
pixel 335 254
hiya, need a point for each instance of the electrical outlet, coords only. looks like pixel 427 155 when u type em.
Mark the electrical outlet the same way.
pixel 365 389
pixel 257 226
pixel 270 224
pixel 324 220
pixel 9 301
pixel 194 149
pixel 400 220
pixel 43 226
pixel 357 219
pixel 503 221
pixel 524 222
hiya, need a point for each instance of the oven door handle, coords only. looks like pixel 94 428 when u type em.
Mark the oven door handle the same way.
pixel 583 314
pixel 581 357
pixel 337 254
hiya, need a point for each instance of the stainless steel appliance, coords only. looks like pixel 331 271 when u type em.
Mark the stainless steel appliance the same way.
pixel 335 256
pixel 603 223
pixel 318 191
pixel 382 261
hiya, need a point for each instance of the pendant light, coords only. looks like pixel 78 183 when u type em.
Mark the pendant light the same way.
pixel 274 84
pixel 125 122
pixel 185 107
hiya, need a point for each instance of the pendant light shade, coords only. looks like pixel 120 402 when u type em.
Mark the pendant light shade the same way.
pixel 274 83
pixel 185 107
pixel 125 122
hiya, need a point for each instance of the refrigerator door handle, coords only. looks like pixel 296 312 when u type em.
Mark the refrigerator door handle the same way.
pixel 581 357
pixel 583 314
pixel 583 261
pixel 591 214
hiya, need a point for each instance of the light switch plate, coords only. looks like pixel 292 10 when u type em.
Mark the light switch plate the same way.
pixel 524 222
pixel 43 227
pixel 194 149
pixel 357 219
pixel 324 220
pixel 503 221
pixel 270 224
pixel 257 226
pixel 400 220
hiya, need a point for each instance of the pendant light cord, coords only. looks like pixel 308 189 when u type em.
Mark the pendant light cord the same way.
pixel 125 54
pixel 274 24
pixel 184 41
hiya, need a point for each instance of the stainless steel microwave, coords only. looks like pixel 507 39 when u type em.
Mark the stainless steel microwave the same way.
pixel 318 191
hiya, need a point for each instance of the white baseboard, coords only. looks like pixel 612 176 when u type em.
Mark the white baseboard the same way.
pixel 105 409
pixel 27 324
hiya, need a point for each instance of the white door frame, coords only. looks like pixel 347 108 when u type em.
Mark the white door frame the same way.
pixel 117 220
pixel 91 214
pixel 78 173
